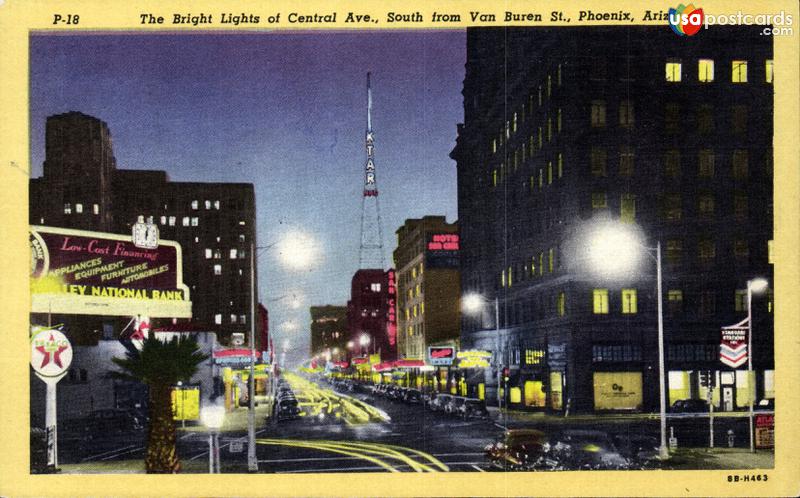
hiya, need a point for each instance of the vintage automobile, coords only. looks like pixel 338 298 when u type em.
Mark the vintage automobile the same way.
pixel 518 449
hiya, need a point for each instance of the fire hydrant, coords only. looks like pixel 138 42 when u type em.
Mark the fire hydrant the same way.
pixel 730 438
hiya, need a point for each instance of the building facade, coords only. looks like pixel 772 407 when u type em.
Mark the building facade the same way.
pixel 214 223
pixel 329 331
pixel 428 285
pixel 568 130
pixel 372 314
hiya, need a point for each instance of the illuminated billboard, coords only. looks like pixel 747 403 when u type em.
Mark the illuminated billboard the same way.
pixel 441 250
pixel 94 273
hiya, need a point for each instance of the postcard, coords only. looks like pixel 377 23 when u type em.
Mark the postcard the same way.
pixel 349 249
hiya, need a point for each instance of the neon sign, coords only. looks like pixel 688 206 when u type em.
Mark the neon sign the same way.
pixel 391 325
pixel 444 242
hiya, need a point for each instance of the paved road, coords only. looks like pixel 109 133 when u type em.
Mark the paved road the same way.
pixel 397 438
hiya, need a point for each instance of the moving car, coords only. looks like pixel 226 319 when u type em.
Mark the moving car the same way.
pixel 689 406
pixel 286 409
pixel 454 406
pixel 440 401
pixel 518 449
pixel 473 408
pixel 585 450
pixel 413 396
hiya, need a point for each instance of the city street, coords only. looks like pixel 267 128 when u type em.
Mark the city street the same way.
pixel 406 438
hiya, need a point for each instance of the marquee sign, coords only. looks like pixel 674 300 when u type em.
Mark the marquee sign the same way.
pixel 473 359
pixel 733 347
pixel 441 355
pixel 95 273
pixel 391 300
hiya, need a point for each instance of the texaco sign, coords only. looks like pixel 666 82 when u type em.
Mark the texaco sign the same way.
pixel 51 354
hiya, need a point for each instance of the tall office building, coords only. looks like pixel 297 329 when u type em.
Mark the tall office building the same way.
pixel 569 130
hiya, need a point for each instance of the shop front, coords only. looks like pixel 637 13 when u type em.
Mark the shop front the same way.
pixel 617 391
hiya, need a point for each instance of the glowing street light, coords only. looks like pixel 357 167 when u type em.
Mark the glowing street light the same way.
pixel 757 286
pixel 363 340
pixel 614 250
pixel 298 250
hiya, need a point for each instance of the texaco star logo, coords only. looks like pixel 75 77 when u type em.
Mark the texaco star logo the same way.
pixel 51 352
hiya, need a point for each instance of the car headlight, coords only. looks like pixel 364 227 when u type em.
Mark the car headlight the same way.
pixel 546 447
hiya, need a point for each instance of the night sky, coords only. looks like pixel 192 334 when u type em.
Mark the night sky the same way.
pixel 284 111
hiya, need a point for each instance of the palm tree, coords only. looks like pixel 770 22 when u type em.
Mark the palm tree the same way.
pixel 160 365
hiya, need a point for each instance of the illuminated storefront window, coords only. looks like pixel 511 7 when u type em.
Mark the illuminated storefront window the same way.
pixel 673 72
pixel 629 304
pixel 617 390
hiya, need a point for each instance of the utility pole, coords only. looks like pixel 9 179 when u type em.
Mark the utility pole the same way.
pixel 252 461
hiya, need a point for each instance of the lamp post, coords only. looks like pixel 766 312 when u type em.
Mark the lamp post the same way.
pixel 754 285
pixel 473 304
pixel 212 417
pixel 615 248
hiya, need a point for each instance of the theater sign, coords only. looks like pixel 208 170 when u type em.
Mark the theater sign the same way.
pixel 93 273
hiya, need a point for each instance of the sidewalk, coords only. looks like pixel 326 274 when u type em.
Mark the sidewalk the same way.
pixel 522 416
pixel 720 458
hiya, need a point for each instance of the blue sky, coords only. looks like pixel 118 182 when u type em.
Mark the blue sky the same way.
pixel 284 111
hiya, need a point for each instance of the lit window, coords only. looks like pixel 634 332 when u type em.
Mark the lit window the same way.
pixel 740 302
pixel 172 221
pixel 195 221
pixel 598 113
pixel 194 204
pixel 598 161
pixel 67 208
pixel 675 300
pixel 768 68
pixel 705 163
pixel 740 164
pixel 629 305
pixel 217 253
pixel 218 319
pixel 494 178
pixel 217 269
pixel 417 289
pixel 414 272
pixel 739 72
pixel 208 204
pixel 415 312
pixel 625 161
pixel 626 113
pixel 503 278
pixel 627 208
pixel 705 70
pixel 422 308
pixel 600 301
pixel 561 304
pixel 421 269
pixel 208 253
pixel 375 287
pixel 410 293
pixel 673 72
pixel 551 260
pixel 163 219
pixel 233 254
pixel 243 319
pixel 599 200
pixel 549 85
pixel 494 145
pixel 560 165
pixel 514 123
pixel 79 208
pixel 241 237
pixel 558 121
pixel 510 277
pixel 233 318
pixel 96 210
pixel 408 314
pixel 672 163
pixel 541 178
pixel 216 205
pixel 549 172
pixel 541 263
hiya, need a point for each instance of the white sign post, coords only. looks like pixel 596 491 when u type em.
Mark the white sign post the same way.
pixel 51 356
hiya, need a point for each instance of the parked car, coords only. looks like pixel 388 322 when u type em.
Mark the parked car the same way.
pixel 440 401
pixel 689 406
pixel 585 450
pixel 767 404
pixel 286 409
pixel 111 421
pixel 518 449
pixel 473 408
pixel 413 396
pixel 453 407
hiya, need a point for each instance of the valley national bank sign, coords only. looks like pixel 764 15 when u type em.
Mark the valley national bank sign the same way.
pixel 93 273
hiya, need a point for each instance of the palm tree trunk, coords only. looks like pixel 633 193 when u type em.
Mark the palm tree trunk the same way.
pixel 161 456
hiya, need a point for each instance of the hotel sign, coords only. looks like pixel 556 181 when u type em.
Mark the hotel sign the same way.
pixel 95 273
pixel 441 355
pixel 442 250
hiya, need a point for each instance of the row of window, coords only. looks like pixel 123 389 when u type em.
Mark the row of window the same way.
pixel 79 208
pixel 518 116
pixel 232 254
pixel 544 174
pixel 616 352
pixel 207 204
pixel 416 310
pixel 598 114
pixel 705 71
pixel 672 206
pixel 529 271
pixel 706 161
pixel 241 319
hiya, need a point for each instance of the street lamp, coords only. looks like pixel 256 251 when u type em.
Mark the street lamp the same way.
pixel 614 249
pixel 473 304
pixel 212 417
pixel 364 341
pixel 756 285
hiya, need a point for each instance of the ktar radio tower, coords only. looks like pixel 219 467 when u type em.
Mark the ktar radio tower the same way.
pixel 371 253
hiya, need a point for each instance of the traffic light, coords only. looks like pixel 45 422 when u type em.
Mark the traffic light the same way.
pixel 506 373
pixel 704 378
